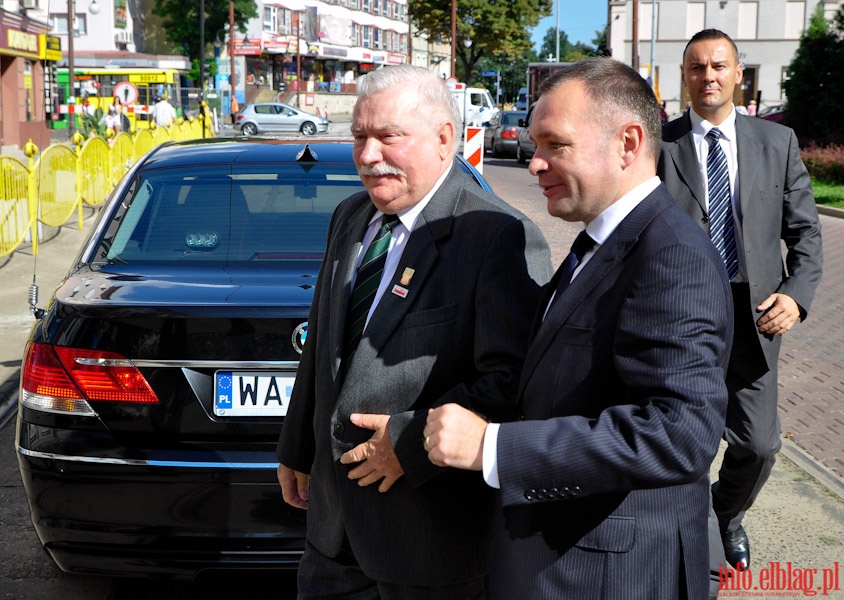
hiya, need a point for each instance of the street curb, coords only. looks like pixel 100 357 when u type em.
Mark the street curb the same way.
pixel 830 211
pixel 808 463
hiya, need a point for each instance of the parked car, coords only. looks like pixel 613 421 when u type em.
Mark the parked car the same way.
pixel 524 145
pixel 272 117
pixel 155 384
pixel 501 133
pixel 773 113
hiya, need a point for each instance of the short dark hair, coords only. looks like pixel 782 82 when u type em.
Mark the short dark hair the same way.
pixel 710 34
pixel 614 89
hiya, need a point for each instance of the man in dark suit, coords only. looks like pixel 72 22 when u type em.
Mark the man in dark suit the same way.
pixel 460 282
pixel 604 480
pixel 768 201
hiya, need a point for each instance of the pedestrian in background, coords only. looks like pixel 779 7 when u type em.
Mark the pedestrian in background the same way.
pixel 426 291
pixel 743 181
pixel 235 108
pixel 604 478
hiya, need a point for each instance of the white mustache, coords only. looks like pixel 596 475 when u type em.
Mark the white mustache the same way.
pixel 381 169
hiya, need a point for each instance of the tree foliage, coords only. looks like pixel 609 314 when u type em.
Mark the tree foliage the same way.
pixel 815 86
pixel 568 52
pixel 180 21
pixel 494 27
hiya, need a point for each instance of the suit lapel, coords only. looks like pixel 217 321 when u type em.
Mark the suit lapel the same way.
pixel 748 149
pixel 684 156
pixel 347 246
pixel 421 255
pixel 606 259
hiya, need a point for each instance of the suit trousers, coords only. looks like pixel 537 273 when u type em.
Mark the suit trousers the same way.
pixel 752 428
pixel 324 577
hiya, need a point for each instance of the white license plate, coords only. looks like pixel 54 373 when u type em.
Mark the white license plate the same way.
pixel 252 394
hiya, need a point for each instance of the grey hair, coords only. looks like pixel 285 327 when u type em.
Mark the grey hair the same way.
pixel 433 93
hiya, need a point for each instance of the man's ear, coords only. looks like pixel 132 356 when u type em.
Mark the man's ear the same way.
pixel 632 142
pixel 445 137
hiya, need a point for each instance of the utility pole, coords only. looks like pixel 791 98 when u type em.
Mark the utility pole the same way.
pixel 453 35
pixel 71 121
pixel 201 51
pixel 636 35
pixel 232 80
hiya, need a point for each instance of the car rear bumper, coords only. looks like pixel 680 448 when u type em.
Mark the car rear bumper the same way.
pixel 141 518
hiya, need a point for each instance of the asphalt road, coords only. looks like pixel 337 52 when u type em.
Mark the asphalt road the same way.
pixel 796 520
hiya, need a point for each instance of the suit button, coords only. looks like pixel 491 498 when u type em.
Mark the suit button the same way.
pixel 575 490
pixel 565 492
pixel 553 493
pixel 541 494
pixel 530 495
pixel 338 428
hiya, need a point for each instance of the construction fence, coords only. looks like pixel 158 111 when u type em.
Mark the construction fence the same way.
pixel 58 181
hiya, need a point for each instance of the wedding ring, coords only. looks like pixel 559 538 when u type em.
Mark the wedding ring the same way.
pixel 427 443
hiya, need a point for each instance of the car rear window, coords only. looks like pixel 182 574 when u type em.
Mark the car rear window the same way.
pixel 228 214
pixel 512 118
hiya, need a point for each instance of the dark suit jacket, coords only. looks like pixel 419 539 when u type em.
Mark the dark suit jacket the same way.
pixel 459 336
pixel 604 482
pixel 775 196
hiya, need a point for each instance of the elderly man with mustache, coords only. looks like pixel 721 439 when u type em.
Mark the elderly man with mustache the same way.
pixel 425 296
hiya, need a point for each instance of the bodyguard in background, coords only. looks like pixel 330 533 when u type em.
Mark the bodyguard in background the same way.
pixel 743 181
pixel 448 323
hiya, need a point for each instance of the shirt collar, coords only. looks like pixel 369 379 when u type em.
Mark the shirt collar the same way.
pixel 602 226
pixel 700 126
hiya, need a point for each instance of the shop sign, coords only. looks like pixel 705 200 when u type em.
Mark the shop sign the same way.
pixel 395 59
pixel 50 47
pixel 19 43
pixel 329 51
pixel 247 46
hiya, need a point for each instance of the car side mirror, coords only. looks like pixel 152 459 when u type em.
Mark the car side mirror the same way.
pixel 486 124
pixel 522 123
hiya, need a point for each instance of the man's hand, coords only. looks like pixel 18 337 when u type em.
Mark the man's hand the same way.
pixel 782 313
pixel 377 458
pixel 454 437
pixel 295 486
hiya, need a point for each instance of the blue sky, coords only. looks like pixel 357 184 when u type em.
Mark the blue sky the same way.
pixel 578 18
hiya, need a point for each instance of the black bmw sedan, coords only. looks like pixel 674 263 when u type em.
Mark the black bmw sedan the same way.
pixel 156 381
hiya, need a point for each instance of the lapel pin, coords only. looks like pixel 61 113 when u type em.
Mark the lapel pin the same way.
pixel 400 291
pixel 407 276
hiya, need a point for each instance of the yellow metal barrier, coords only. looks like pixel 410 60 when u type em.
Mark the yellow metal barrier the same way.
pixel 56 184
pixel 16 218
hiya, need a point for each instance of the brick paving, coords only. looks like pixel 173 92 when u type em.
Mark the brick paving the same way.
pixel 811 374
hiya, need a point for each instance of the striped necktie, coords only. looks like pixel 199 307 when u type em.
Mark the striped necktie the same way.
pixel 366 284
pixel 721 225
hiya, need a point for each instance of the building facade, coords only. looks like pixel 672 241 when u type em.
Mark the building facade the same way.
pixel 318 46
pixel 767 33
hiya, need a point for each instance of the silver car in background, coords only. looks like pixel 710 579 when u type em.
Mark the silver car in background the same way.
pixel 274 117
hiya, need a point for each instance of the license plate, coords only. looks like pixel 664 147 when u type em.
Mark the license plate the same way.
pixel 252 394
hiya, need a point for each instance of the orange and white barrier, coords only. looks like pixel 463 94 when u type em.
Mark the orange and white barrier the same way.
pixel 473 147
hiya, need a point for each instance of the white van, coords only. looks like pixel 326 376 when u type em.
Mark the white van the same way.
pixel 521 103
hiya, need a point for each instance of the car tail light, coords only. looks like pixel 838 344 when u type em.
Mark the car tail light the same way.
pixel 510 132
pixel 59 379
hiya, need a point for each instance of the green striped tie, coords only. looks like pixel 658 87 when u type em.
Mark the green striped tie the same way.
pixel 366 284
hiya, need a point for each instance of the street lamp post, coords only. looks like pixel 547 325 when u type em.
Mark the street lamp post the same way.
pixel 453 34
pixel 232 80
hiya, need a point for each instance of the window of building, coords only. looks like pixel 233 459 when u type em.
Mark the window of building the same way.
pixel 270 19
pixel 748 13
pixel 695 15
pixel 285 22
pixel 795 17
pixel 385 8
pixel 354 4
pixel 366 5
pixel 366 35
pixel 59 24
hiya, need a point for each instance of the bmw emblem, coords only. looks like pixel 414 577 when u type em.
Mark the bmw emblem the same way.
pixel 299 336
